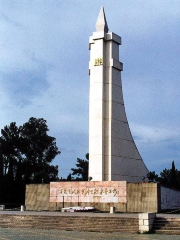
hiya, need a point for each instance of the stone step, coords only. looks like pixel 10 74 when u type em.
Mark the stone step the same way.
pixel 68 221
pixel 65 220
pixel 69 218
pixel 168 232
pixel 167 219
pixel 170 229
pixel 95 224
pixel 67 224
pixel 167 226
pixel 78 228
pixel 167 223
pixel 70 226
pixel 160 222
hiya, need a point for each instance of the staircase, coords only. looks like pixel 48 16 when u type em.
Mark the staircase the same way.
pixel 70 223
pixel 167 226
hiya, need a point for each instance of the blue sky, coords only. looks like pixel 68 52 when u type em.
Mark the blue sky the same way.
pixel 44 71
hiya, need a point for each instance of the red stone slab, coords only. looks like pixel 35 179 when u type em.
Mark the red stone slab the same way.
pixel 105 191
pixel 53 192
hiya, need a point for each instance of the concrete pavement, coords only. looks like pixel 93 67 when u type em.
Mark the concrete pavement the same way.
pixel 36 234
pixel 88 214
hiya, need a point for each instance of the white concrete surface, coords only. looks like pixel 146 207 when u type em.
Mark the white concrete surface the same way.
pixel 112 152
pixel 146 221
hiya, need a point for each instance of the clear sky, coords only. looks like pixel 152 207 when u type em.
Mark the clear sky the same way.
pixel 44 71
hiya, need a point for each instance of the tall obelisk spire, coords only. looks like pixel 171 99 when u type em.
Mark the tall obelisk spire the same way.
pixel 101 24
pixel 112 152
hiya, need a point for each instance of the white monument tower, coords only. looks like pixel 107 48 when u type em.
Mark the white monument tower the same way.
pixel 113 155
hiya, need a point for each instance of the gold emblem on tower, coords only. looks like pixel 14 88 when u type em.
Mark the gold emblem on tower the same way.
pixel 98 61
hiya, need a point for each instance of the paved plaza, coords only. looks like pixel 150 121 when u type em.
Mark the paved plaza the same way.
pixel 39 234
pixel 36 234
pixel 87 214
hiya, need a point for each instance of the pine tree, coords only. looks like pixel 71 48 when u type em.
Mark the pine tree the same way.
pixel 173 179
pixel 82 168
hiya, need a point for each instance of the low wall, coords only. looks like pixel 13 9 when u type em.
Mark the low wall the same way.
pixel 143 197
pixel 125 197
pixel 170 198
pixel 37 197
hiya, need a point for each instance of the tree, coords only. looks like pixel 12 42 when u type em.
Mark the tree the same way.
pixel 82 168
pixel 152 176
pixel 40 149
pixel 165 177
pixel 9 142
pixel 1 176
pixel 170 177
pixel 69 177
pixel 26 154
pixel 173 176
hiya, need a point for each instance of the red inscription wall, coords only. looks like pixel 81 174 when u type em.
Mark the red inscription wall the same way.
pixel 95 191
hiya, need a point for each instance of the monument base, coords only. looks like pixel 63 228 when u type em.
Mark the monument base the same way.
pixel 125 197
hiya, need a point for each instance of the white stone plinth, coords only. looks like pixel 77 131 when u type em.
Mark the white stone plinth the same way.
pixel 112 210
pixel 23 208
pixel 146 221
pixel 2 207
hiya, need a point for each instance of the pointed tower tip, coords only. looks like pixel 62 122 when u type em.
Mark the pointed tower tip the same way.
pixel 101 24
